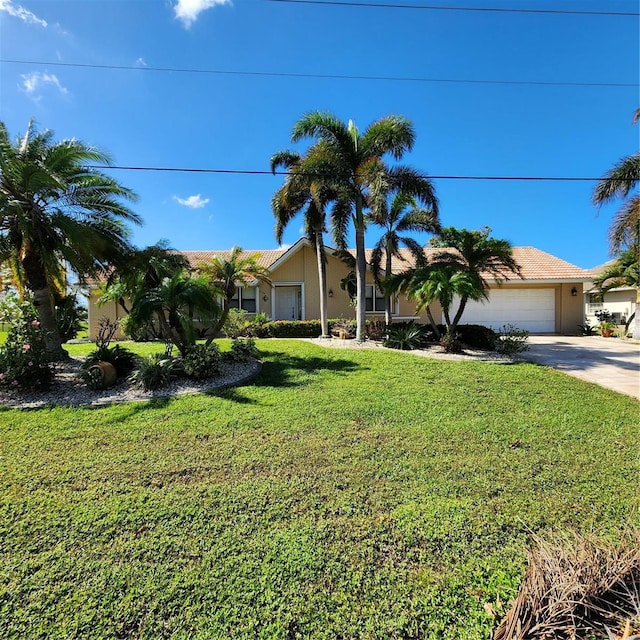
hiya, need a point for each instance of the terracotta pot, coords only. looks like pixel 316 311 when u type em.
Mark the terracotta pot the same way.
pixel 607 333
pixel 108 375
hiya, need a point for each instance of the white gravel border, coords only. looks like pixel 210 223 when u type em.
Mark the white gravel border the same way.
pixel 69 390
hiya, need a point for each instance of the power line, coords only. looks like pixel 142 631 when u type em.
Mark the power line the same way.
pixel 255 172
pixel 278 74
pixel 380 5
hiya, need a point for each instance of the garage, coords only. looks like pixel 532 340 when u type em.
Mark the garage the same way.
pixel 530 309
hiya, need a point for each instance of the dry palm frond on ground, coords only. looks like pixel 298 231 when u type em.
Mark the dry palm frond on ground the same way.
pixel 578 589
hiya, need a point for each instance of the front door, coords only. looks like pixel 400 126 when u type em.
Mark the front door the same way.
pixel 288 301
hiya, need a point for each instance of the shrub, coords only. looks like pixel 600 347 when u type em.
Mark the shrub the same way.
pixel 236 323
pixel 154 372
pixel 293 328
pixel 406 337
pixel 586 329
pixel 257 326
pixel 376 329
pixel 202 361
pixel 604 315
pixel 450 342
pixel 243 350
pixel 475 336
pixel 345 329
pixel 71 317
pixel 512 340
pixel 121 358
pixel 23 357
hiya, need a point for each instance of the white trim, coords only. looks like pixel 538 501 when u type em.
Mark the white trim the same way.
pixel 300 284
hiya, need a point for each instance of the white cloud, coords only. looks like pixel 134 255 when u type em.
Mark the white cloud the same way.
pixel 33 83
pixel 20 12
pixel 193 202
pixel 188 10
pixel 284 246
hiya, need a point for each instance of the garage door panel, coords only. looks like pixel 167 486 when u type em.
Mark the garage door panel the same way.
pixel 530 309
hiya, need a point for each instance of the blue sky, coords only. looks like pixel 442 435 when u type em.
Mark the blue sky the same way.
pixel 144 117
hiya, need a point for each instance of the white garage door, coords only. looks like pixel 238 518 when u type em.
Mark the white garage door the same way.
pixel 530 309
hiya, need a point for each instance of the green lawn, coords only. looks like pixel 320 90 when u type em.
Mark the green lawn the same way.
pixel 344 494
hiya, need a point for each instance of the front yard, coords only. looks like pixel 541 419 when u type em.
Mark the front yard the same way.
pixel 344 494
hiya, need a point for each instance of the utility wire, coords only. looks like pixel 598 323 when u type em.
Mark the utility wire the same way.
pixel 380 5
pixel 252 172
pixel 321 75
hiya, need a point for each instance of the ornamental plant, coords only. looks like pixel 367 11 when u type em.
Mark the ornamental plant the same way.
pixel 23 357
pixel 202 361
pixel 243 350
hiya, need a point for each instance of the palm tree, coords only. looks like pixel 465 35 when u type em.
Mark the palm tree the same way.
pixel 348 163
pixel 398 215
pixel 142 270
pixel 301 192
pixel 477 255
pixel 623 272
pixel 173 303
pixel 227 274
pixel 619 182
pixel 55 210
pixel 460 270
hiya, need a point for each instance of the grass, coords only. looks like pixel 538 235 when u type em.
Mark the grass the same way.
pixel 344 494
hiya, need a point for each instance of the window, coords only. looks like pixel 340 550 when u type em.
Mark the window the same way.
pixel 374 303
pixel 594 303
pixel 244 298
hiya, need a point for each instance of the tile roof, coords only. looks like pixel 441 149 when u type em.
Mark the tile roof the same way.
pixel 263 258
pixel 534 264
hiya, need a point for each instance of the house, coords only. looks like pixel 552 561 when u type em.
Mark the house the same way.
pixel 545 298
pixel 621 301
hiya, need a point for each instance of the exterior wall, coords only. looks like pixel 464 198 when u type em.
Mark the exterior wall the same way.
pixel 569 309
pixel 111 310
pixel 621 302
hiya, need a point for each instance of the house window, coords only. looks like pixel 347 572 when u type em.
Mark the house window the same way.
pixel 594 303
pixel 374 299
pixel 244 298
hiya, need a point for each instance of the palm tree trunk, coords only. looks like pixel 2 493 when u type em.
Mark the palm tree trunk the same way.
pixel 43 302
pixel 223 318
pixel 432 320
pixel 322 277
pixel 456 319
pixel 387 300
pixel 361 273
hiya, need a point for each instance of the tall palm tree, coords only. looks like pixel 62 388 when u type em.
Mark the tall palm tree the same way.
pixel 398 214
pixel 54 210
pixel 227 274
pixel 619 182
pixel 348 163
pixel 302 192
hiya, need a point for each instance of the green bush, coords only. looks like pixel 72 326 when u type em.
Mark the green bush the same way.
pixel 476 336
pixel 154 372
pixel 406 336
pixel 236 323
pixel 512 340
pixel 71 317
pixel 23 357
pixel 243 350
pixel 293 328
pixel 202 361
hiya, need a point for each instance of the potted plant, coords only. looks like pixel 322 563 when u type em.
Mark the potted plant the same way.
pixel 607 329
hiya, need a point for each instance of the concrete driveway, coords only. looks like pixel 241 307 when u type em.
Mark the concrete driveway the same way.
pixel 609 362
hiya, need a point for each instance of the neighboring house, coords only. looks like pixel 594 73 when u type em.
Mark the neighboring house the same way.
pixel 545 299
pixel 621 302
